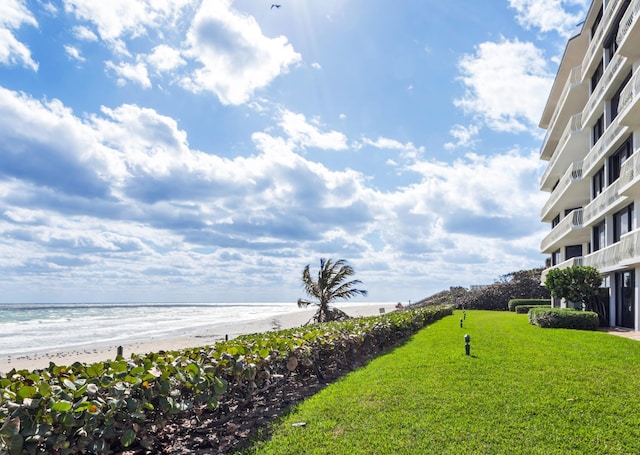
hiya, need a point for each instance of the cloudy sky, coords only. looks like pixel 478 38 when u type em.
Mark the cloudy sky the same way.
pixel 207 150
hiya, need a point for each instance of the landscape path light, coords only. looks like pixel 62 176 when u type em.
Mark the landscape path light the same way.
pixel 467 346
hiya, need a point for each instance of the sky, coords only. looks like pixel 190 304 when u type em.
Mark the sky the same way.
pixel 208 150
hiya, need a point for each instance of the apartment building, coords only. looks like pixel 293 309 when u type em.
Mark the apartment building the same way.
pixel 592 118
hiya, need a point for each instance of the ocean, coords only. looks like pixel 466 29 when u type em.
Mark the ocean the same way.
pixel 31 328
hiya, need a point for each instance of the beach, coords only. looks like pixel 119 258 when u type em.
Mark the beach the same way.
pixel 99 351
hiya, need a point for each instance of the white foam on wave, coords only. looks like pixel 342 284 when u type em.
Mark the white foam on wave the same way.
pixel 40 328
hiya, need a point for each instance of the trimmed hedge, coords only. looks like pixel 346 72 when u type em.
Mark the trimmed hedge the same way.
pixel 524 309
pixel 513 303
pixel 563 318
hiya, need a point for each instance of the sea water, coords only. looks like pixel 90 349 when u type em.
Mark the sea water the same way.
pixel 30 328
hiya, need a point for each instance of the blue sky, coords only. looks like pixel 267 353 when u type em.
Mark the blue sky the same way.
pixel 207 150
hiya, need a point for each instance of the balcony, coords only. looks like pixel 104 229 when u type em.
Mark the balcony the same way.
pixel 606 201
pixel 629 32
pixel 573 143
pixel 563 265
pixel 570 231
pixel 630 177
pixel 629 106
pixel 620 255
pixel 590 61
pixel 616 70
pixel 573 191
pixel 612 137
pixel 574 95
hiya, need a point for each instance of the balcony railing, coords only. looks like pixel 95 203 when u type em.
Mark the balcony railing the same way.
pixel 574 79
pixel 596 41
pixel 597 96
pixel 574 126
pixel 626 23
pixel 619 255
pixel 573 174
pixel 630 93
pixel 630 170
pixel 602 204
pixel 563 265
pixel 597 152
pixel 568 223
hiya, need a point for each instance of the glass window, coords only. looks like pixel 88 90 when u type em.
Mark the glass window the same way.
pixel 555 257
pixel 622 222
pixel 618 158
pixel 598 129
pixel 555 221
pixel 596 22
pixel 597 183
pixel 573 251
pixel 599 237
pixel 595 78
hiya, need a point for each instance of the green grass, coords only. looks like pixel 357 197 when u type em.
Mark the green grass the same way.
pixel 522 390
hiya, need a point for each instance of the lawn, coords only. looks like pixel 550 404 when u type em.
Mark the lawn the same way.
pixel 522 390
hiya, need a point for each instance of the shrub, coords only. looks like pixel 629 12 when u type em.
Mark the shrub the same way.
pixel 524 309
pixel 563 318
pixel 513 303
pixel 524 284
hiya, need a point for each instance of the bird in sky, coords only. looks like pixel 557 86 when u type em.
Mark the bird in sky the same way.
pixel 277 6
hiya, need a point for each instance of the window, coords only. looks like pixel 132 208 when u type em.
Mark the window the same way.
pixel 610 42
pixel 573 251
pixel 598 129
pixel 595 77
pixel 622 222
pixel 599 236
pixel 555 257
pixel 597 183
pixel 615 100
pixel 555 221
pixel 617 160
pixel 596 22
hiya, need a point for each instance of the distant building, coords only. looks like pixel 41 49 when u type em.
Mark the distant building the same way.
pixel 477 287
pixel 592 118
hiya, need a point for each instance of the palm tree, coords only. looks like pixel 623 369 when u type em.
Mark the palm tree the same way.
pixel 331 285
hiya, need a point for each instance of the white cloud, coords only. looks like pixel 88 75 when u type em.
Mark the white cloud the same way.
pixel 236 58
pixel 303 134
pixel 50 8
pixel 83 33
pixel 505 84
pixel 408 150
pixel 464 137
pixel 133 205
pixel 316 65
pixel 74 53
pixel 131 72
pixel 561 16
pixel 117 19
pixel 165 58
pixel 14 14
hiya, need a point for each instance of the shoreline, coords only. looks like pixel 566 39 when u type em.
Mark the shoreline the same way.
pixel 99 352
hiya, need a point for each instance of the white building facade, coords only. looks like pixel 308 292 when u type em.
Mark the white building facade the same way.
pixel 592 118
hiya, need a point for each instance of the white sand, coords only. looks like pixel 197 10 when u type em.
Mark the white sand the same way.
pixel 99 352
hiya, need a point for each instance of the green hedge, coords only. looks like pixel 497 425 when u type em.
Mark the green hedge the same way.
pixel 524 309
pixel 513 303
pixel 112 405
pixel 563 318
